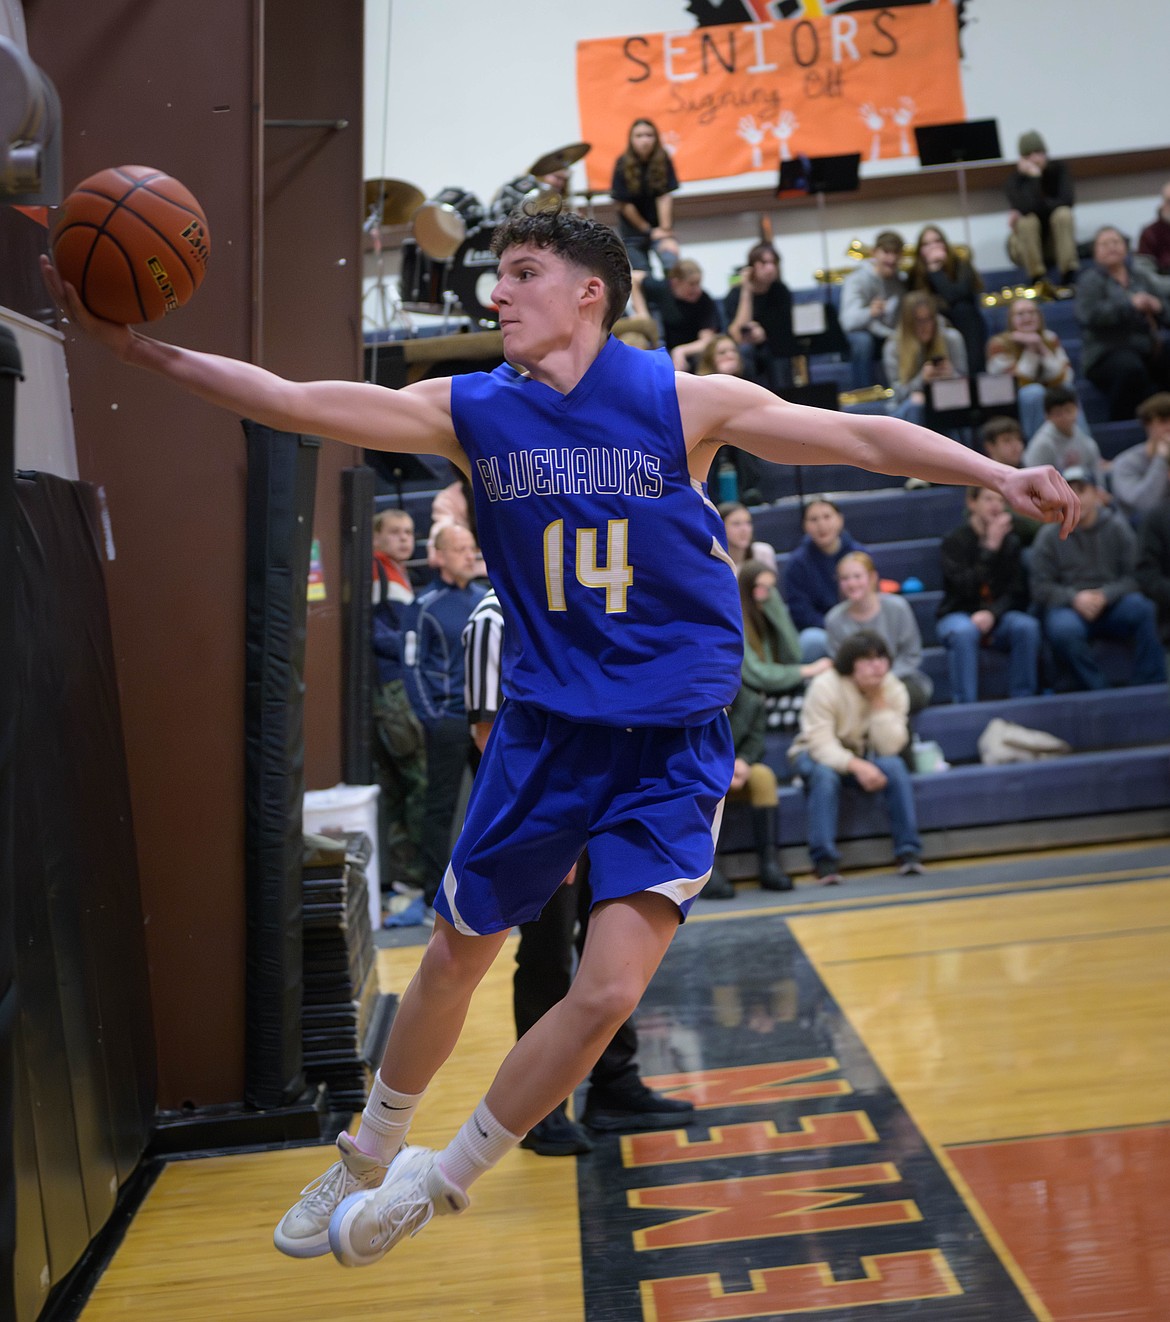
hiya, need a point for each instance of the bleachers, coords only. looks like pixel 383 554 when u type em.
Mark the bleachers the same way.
pixel 1117 782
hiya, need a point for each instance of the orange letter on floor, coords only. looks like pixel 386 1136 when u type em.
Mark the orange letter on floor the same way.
pixel 762 1206
pixel 810 1288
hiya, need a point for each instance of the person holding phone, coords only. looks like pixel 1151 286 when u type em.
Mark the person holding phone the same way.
pixel 924 349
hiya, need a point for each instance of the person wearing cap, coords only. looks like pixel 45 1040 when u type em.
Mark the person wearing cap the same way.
pixel 1087 587
pixel 1040 194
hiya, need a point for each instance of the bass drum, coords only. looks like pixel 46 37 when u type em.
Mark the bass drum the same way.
pixel 421 281
pixel 442 222
pixel 473 275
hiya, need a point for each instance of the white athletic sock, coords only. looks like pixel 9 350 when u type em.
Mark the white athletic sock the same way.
pixel 476 1148
pixel 385 1121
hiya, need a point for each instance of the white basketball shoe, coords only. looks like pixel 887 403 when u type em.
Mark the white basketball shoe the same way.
pixel 303 1231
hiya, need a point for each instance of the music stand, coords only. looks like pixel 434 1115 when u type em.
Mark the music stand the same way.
pixel 957 145
pixel 814 176
pixel 968 401
pixel 394 469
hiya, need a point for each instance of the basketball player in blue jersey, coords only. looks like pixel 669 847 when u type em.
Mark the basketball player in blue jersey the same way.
pixel 623 647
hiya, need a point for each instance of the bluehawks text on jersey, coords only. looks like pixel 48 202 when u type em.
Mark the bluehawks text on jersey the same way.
pixel 580 471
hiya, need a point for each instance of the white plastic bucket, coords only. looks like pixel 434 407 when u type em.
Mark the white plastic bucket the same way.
pixel 350 808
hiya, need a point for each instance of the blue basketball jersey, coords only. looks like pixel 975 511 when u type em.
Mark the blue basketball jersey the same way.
pixel 609 561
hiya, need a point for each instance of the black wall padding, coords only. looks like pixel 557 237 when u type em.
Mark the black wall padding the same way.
pixel 357 533
pixel 83 1016
pixel 9 372
pixel 282 478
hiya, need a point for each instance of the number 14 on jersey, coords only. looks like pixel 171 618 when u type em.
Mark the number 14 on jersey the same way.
pixel 614 578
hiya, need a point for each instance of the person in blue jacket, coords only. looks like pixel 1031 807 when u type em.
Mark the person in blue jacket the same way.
pixel 810 577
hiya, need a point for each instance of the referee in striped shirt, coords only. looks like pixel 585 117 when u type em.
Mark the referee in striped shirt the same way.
pixel 617 1098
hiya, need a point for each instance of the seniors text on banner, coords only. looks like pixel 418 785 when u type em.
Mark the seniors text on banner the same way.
pixel 741 97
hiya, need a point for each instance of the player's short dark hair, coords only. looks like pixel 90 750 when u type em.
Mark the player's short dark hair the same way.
pixel 1001 425
pixel 1055 396
pixel 586 243
pixel 859 647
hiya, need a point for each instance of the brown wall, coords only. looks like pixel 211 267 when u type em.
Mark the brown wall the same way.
pixel 167 86
pixel 311 304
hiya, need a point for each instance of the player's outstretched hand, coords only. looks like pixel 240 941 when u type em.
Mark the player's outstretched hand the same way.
pixel 1042 493
pixel 115 337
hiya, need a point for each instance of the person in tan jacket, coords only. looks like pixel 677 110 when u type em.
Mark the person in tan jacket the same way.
pixel 853 727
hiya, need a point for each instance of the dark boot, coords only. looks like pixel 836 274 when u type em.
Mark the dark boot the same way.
pixel 772 875
pixel 719 887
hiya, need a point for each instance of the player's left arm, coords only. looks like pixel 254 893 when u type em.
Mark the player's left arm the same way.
pixel 726 410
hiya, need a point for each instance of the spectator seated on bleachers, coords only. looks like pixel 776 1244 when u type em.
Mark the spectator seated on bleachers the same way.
pixel 956 286
pixel 1000 439
pixel 865 608
pixel 1087 587
pixel 772 665
pixel 853 727
pixel 1062 441
pixel 810 576
pixel 1041 226
pixel 722 355
pixel 923 350
pixel 869 308
pixel 1138 476
pixel 1153 253
pixel 758 314
pixel 737 523
pixel 1153 566
pixel 985 599
pixel 754 782
pixel 1034 356
pixel 1124 348
pixel 688 315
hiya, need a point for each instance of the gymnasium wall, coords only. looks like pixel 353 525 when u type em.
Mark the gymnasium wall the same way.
pixel 147 84
pixel 473 97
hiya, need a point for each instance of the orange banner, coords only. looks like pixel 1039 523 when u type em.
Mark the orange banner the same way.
pixel 744 96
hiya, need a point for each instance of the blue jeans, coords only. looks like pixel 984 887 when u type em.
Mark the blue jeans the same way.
pixel 864 360
pixel 638 250
pixel 910 410
pixel 814 644
pixel 1132 618
pixel 822 787
pixel 1015 632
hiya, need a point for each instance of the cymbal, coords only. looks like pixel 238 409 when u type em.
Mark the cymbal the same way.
pixel 560 159
pixel 394 200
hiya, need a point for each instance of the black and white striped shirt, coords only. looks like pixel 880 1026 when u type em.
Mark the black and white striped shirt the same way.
pixel 482 637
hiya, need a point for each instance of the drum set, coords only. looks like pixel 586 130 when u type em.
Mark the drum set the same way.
pixel 447 263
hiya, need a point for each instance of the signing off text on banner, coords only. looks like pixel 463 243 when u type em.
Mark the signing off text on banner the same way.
pixel 742 97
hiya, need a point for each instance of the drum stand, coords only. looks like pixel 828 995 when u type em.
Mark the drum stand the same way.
pixel 388 306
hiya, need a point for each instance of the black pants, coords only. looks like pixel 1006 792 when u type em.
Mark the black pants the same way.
pixel 1127 379
pixel 544 970
pixel 448 744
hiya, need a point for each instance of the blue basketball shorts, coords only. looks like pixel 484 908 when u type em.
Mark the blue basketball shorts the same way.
pixel 647 802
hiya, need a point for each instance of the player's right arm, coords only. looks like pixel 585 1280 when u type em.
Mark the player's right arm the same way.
pixel 415 420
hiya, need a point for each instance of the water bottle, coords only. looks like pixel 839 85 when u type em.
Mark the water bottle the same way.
pixel 726 482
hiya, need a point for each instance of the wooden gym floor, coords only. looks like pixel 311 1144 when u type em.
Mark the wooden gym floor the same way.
pixel 947 1100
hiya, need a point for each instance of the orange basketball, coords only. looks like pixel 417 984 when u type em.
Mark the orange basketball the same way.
pixel 133 242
